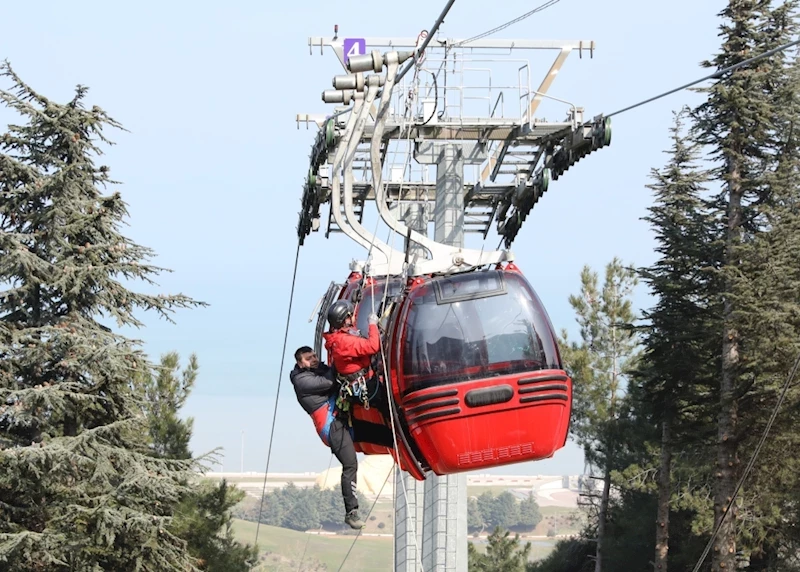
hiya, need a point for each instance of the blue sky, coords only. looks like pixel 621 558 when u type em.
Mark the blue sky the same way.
pixel 213 163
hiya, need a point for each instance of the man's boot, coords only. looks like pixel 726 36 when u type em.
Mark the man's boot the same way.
pixel 353 521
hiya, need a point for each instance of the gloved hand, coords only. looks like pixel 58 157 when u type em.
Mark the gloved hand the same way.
pixel 373 318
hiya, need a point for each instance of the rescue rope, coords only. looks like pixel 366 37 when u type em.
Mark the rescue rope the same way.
pixel 278 393
pixel 391 404
pixel 390 401
pixel 389 397
pixel 367 517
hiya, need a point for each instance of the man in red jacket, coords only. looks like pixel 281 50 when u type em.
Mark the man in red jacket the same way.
pixel 351 356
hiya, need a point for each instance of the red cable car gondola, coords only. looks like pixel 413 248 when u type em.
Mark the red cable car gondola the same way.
pixel 473 368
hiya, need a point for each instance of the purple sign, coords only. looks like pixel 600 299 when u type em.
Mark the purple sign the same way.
pixel 354 47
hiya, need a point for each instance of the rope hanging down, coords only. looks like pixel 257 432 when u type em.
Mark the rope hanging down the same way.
pixel 278 393
pixel 369 513
pixel 392 413
pixel 751 463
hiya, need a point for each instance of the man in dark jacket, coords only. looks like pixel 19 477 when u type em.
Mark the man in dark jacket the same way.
pixel 316 392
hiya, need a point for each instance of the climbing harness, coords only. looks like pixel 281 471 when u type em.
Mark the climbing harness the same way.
pixel 350 387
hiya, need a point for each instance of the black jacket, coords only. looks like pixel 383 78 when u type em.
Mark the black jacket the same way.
pixel 313 387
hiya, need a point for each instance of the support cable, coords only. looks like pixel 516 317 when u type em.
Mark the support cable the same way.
pixel 716 75
pixel 428 39
pixel 507 24
pixel 278 393
pixel 751 463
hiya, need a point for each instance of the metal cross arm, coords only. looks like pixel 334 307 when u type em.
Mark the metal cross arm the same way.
pixel 498 44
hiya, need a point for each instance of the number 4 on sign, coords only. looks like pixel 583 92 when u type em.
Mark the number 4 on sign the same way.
pixel 353 47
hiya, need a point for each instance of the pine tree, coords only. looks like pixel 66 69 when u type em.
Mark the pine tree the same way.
pixel 79 488
pixel 204 520
pixel 475 521
pixel 203 516
pixel 503 554
pixel 599 368
pixel 572 555
pixel 678 357
pixel 769 320
pixel 164 395
pixel 506 510
pixel 739 124
pixel 529 514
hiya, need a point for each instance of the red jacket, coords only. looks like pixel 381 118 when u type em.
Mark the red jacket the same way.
pixel 349 352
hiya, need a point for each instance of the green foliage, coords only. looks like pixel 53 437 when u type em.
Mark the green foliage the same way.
pixel 203 519
pixel 572 555
pixel 726 288
pixel 681 355
pixel 673 391
pixel 164 395
pixel 746 124
pixel 720 338
pixel 630 539
pixel 529 514
pixel 503 554
pixel 606 354
pixel 488 511
pixel 600 366
pixel 78 485
pixel 474 514
pixel 299 508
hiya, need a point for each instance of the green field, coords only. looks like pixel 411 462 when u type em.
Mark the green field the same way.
pixel 540 547
pixel 254 479
pixel 282 549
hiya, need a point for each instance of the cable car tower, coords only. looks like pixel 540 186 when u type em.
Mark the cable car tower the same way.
pixel 445 131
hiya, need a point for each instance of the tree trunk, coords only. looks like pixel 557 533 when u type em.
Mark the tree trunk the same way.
pixel 763 559
pixel 601 525
pixel 664 493
pixel 609 437
pixel 724 553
